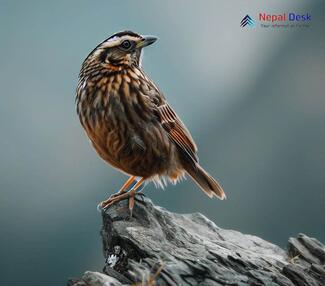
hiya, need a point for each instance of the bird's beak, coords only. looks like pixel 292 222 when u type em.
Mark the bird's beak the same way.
pixel 146 41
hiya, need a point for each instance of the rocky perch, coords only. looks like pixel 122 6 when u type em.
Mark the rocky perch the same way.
pixel 157 247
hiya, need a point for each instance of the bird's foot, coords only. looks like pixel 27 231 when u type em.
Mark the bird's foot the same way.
pixel 119 197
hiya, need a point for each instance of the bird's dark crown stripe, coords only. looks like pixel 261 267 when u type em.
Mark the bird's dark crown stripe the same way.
pixel 124 33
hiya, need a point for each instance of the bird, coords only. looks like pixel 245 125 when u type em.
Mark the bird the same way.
pixel 131 125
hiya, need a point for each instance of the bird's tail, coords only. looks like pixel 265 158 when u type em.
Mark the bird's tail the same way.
pixel 206 183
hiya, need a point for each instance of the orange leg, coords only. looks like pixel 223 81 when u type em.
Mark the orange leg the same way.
pixel 125 185
pixel 125 195
pixel 133 192
pixel 122 190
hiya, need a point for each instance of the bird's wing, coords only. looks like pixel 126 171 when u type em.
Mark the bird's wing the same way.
pixel 177 131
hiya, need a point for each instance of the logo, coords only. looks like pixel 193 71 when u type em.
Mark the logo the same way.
pixel 284 20
pixel 284 17
pixel 247 20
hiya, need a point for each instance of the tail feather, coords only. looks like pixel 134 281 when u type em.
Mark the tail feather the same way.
pixel 206 183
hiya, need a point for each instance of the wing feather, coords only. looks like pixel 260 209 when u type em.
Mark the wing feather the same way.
pixel 177 131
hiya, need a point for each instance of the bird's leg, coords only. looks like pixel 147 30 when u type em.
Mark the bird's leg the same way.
pixel 125 186
pixel 122 190
pixel 132 194
pixel 126 195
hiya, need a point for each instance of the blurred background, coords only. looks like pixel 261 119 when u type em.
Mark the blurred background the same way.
pixel 253 99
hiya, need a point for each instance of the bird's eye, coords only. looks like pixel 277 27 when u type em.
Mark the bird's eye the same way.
pixel 126 45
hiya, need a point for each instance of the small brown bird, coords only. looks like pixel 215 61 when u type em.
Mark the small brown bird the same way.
pixel 129 122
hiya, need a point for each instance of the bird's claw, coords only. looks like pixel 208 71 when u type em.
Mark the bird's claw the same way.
pixel 102 206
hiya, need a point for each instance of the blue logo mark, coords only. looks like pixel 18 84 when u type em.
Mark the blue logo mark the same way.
pixel 247 20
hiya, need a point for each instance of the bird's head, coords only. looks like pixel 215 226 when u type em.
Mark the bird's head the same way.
pixel 121 49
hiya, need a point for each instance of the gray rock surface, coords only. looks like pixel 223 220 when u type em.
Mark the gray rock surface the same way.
pixel 157 247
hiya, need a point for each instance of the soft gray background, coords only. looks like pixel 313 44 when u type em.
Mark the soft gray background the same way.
pixel 252 98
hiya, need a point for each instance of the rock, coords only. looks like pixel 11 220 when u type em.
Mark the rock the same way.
pixel 94 279
pixel 157 247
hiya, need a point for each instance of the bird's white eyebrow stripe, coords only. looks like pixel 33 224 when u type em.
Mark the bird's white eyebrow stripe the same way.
pixel 117 40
